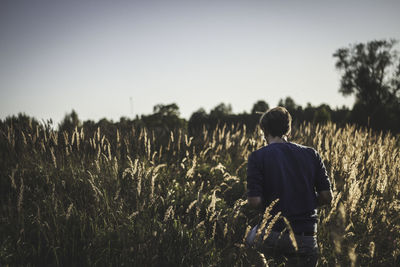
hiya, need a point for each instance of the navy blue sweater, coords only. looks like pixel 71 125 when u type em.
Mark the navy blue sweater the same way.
pixel 293 174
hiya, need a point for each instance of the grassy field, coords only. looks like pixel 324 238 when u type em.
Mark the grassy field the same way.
pixel 136 198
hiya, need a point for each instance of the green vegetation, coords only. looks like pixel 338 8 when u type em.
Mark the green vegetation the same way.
pixel 162 191
pixel 371 72
pixel 127 196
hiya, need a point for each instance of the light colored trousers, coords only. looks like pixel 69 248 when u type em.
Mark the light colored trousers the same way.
pixel 279 246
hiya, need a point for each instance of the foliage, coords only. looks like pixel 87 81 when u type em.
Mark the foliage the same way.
pixel 371 71
pixel 165 118
pixel 222 114
pixel 322 115
pixel 221 110
pixel 260 106
pixel 70 121
pixel 289 104
pixel 129 198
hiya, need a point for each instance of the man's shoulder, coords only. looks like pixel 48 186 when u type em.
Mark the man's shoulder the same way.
pixel 275 148
pixel 304 147
pixel 262 150
pixel 306 150
pixel 259 153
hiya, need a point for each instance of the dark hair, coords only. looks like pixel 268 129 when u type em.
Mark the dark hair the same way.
pixel 276 122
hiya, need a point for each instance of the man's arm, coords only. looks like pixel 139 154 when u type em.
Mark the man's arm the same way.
pixel 322 183
pixel 254 184
pixel 324 197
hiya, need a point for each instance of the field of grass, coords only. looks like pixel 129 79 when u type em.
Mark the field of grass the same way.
pixel 135 198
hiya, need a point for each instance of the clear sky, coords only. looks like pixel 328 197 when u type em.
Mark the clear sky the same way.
pixel 93 56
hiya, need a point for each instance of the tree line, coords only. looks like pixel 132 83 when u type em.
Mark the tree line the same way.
pixel 369 71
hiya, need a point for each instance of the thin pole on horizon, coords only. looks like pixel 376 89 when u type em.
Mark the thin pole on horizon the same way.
pixel 131 103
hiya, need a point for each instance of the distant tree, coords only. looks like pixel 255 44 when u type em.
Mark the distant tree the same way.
pixel 89 125
pixel 20 122
pixel 164 119
pixel 221 110
pixel 259 106
pixel 308 113
pixel 371 72
pixel 341 115
pixel 69 122
pixel 108 127
pixel 322 114
pixel 197 120
pixel 288 103
pixel 166 110
pixel 295 110
pixel 200 114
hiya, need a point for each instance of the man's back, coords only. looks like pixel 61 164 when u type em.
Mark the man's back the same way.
pixel 297 177
pixel 292 173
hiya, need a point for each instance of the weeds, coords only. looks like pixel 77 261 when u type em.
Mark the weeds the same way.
pixel 129 199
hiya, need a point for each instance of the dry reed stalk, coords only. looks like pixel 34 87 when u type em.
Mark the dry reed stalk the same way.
pixel 20 195
pixel 82 134
pixel 96 191
pixel 153 178
pixel 73 138
pixel 336 198
pixel 352 255
pixel 226 231
pixel 133 215
pixel 246 233
pixel 13 185
pixel 291 234
pixel 266 217
pixel 69 211
pixel 200 224
pixel 148 149
pixel 191 205
pixel 97 134
pixel 211 207
pixel 179 141
pixel 23 138
pixel 65 136
pixel 214 227
pixel 102 143
pixel 78 139
pixel 109 156
pixel 9 134
pixel 271 224
pixel 169 214
pixel 53 157
pixel 371 249
pixel 199 199
pixel 98 153
pixel 190 172
pixel 117 194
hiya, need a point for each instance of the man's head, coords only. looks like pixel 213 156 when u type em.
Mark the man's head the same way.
pixel 276 122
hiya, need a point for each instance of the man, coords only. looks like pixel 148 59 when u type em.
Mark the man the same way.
pixel 296 176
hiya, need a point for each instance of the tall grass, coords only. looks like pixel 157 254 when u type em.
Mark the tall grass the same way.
pixel 132 199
